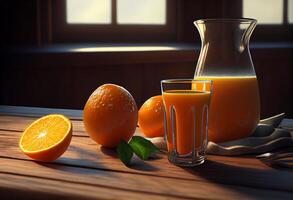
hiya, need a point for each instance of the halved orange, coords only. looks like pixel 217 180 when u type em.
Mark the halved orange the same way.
pixel 47 138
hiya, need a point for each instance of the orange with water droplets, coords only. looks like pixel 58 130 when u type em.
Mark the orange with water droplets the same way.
pixel 110 115
pixel 151 117
pixel 47 138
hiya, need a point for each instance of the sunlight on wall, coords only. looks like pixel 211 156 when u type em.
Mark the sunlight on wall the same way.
pixel 265 11
pixel 88 11
pixel 141 11
pixel 124 49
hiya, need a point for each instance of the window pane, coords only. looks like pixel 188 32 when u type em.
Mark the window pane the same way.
pixel 290 11
pixel 265 11
pixel 88 11
pixel 141 11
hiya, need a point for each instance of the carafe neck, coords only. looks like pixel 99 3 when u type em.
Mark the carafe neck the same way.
pixel 225 47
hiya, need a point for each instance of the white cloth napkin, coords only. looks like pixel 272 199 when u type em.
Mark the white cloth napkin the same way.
pixel 268 136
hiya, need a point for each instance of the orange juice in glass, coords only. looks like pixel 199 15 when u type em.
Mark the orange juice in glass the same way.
pixel 186 104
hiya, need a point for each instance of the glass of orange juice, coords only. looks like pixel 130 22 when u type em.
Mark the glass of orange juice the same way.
pixel 186 105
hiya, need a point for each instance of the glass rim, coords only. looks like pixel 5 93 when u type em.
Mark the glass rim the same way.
pixel 186 81
pixel 222 20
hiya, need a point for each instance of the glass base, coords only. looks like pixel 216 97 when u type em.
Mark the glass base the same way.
pixel 186 161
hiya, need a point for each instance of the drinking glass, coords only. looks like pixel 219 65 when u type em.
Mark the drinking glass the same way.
pixel 186 105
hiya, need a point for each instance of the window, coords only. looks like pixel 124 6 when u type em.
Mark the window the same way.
pixel 274 18
pixel 88 11
pixel 265 11
pixel 114 20
pixel 290 11
pixel 127 12
pixel 142 12
pixel 160 20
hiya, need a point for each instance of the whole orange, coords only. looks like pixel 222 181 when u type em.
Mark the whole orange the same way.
pixel 151 117
pixel 110 115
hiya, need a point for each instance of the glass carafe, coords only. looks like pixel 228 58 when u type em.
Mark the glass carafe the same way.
pixel 225 59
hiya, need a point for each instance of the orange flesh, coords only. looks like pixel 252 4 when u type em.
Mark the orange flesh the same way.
pixel 234 109
pixel 44 133
pixel 184 102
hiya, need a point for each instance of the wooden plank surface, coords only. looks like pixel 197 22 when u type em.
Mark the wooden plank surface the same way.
pixel 83 152
pixel 89 171
pixel 37 112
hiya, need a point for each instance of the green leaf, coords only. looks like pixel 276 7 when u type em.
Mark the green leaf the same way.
pixel 125 152
pixel 142 147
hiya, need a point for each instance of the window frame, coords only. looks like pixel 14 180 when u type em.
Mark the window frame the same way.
pixel 55 30
pixel 64 32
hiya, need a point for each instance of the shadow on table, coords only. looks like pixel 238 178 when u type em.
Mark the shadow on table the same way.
pixel 29 194
pixel 136 163
pixel 140 165
pixel 217 172
pixel 77 166
pixel 109 152
pixel 85 161
pixel 113 153
pixel 84 153
pixel 77 160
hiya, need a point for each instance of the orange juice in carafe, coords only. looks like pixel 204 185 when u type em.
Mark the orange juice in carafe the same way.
pixel 234 107
pixel 225 59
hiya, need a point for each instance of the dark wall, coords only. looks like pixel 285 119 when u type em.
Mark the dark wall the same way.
pixel 19 22
pixel 274 69
pixel 190 10
pixel 65 80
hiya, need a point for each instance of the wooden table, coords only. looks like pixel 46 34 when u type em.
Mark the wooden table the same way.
pixel 88 171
